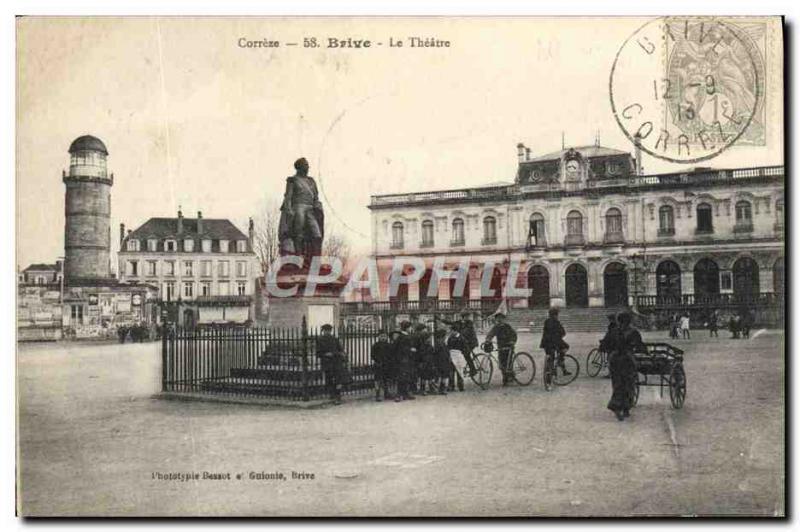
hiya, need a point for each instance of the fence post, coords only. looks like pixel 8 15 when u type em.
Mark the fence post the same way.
pixel 164 362
pixel 304 357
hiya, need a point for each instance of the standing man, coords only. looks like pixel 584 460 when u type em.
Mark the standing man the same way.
pixel 456 342
pixel 331 355
pixel 713 324
pixel 466 329
pixel 381 361
pixel 553 343
pixel 404 354
pixel 685 326
pixel 506 340
pixel 625 342
pixel 302 223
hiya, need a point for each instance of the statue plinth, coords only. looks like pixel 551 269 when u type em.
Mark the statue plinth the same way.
pixel 318 304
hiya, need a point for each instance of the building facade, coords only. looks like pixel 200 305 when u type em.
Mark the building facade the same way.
pixel 205 269
pixel 591 231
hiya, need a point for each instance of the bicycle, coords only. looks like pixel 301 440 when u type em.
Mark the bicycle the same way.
pixel 596 360
pixel 522 367
pixel 551 374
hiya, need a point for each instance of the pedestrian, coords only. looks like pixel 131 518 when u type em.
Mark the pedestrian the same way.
pixel 331 355
pixel 685 326
pixel 624 342
pixel 675 325
pixel 553 334
pixel 506 340
pixel 404 353
pixel 122 332
pixel 466 329
pixel 713 324
pixel 455 342
pixel 734 325
pixel 747 323
pixel 443 363
pixel 420 336
pixel 426 368
pixel 381 354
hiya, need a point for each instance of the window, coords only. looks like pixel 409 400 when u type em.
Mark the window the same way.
pixel 241 246
pixel 76 313
pixel 132 268
pixel 427 233
pixel 779 214
pixel 188 245
pixel 536 237
pixel 241 268
pixel 133 245
pixel 169 289
pixel 397 235
pixel 205 268
pixel 206 246
pixel 458 232
pixel 223 268
pixel 223 246
pixel 188 290
pixel 574 228
pixel 614 225
pixel 705 223
pixel 152 268
pixel 489 230
pixel 205 289
pixel 666 221
pixel 169 267
pixel 241 288
pixel 188 268
pixel 224 288
pixel 170 245
pixel 744 217
pixel 152 244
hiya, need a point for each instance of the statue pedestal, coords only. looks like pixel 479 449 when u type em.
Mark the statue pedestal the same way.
pixel 318 308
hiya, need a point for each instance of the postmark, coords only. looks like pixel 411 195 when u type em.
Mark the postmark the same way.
pixel 687 88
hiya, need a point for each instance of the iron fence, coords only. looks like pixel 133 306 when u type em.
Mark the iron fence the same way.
pixel 260 362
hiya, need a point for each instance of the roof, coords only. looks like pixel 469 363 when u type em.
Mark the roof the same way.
pixel 88 142
pixel 585 151
pixel 41 267
pixel 213 228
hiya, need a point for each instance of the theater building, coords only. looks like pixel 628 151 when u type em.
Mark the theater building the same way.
pixel 592 231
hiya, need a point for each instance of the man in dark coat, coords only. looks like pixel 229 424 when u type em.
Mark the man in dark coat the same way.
pixel 331 356
pixel 442 360
pixel 302 224
pixel 466 328
pixel 455 342
pixel 506 340
pixel 626 341
pixel 404 354
pixel 381 355
pixel 552 342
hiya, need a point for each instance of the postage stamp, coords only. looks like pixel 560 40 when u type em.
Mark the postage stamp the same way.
pixel 687 88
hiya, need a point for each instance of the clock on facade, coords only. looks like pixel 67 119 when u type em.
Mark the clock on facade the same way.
pixel 573 168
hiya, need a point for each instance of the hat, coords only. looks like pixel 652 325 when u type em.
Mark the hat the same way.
pixel 327 327
pixel 499 315
pixel 405 324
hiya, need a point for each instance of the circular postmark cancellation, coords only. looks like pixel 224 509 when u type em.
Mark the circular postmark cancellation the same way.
pixel 684 89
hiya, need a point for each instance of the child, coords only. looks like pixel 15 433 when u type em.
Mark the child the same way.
pixel 441 355
pixel 381 360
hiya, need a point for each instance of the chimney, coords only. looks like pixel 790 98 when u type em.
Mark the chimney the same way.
pixel 251 231
pixel 637 141
pixel 527 154
pixel 121 234
pixel 180 221
pixel 199 222
pixel 520 152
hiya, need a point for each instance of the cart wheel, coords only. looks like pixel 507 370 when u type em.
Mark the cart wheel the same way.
pixel 635 391
pixel 677 387
pixel 594 362
pixel 483 370
pixel 523 368
pixel 565 375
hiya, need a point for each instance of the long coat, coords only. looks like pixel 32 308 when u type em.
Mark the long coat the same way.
pixel 287 208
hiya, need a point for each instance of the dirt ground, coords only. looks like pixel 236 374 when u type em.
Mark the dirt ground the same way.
pixel 94 441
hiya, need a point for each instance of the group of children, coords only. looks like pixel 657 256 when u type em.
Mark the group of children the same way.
pixel 416 361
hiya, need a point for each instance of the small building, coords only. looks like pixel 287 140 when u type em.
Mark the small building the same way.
pixel 205 268
pixel 42 274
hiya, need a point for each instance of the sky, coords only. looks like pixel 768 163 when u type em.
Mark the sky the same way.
pixel 192 119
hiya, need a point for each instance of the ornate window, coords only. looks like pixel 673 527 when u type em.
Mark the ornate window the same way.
pixel 614 225
pixel 427 234
pixel 458 232
pixel 574 228
pixel 397 235
pixel 490 230
pixel 536 235
pixel 744 217
pixel 133 245
pixel 666 221
pixel 779 214
pixel 705 218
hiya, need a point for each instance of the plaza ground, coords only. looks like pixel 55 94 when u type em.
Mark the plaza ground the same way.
pixel 92 436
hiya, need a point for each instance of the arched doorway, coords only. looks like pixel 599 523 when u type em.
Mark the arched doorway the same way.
pixel 425 286
pixel 188 319
pixel 778 280
pixel 668 282
pixel 539 284
pixel 576 286
pixel 706 280
pixel 615 283
pixel 745 279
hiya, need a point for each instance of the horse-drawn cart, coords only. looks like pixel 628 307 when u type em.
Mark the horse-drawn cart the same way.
pixel 661 365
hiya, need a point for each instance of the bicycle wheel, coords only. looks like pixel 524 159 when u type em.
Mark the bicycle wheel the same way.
pixel 483 370
pixel 563 375
pixel 635 391
pixel 594 362
pixel 677 387
pixel 523 368
pixel 547 373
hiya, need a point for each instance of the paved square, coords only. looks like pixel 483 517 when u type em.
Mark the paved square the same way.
pixel 93 441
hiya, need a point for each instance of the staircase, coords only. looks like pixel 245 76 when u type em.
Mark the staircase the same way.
pixel 573 319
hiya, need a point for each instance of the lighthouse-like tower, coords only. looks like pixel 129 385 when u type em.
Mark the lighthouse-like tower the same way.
pixel 87 230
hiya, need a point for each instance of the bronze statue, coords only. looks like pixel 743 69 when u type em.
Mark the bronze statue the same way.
pixel 302 224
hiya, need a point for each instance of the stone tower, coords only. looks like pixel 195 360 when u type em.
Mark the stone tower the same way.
pixel 87 230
